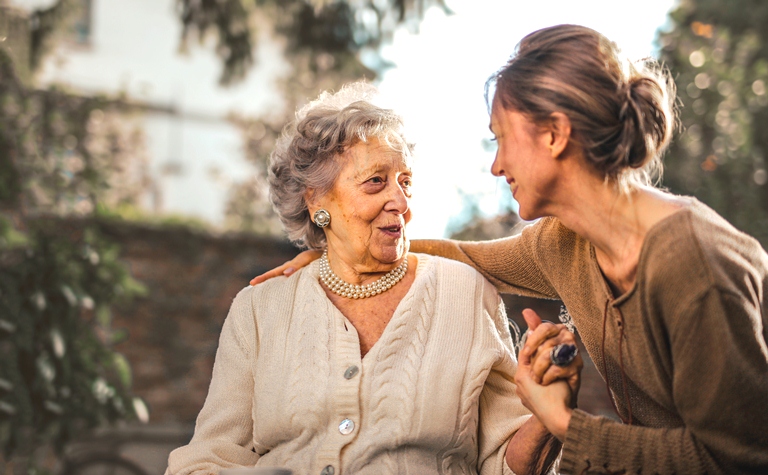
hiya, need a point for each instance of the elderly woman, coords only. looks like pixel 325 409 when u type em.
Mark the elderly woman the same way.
pixel 370 360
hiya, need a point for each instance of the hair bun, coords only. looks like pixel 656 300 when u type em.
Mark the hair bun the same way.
pixel 645 118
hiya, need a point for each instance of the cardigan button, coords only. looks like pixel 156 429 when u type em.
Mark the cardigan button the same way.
pixel 328 470
pixel 346 427
pixel 351 372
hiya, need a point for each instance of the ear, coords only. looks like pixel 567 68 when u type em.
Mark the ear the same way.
pixel 559 133
pixel 310 197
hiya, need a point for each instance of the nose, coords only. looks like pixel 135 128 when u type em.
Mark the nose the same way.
pixel 496 169
pixel 398 201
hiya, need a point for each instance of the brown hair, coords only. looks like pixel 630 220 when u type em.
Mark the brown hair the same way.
pixel 622 114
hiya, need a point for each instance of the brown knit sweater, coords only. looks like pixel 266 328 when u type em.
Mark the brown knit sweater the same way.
pixel 691 337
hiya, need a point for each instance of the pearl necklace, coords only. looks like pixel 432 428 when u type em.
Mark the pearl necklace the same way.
pixel 352 291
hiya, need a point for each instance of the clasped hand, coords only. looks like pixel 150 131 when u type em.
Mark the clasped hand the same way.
pixel 548 391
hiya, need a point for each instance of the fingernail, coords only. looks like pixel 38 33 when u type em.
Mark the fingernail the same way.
pixel 289 271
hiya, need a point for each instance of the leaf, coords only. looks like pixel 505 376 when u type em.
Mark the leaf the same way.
pixel 123 368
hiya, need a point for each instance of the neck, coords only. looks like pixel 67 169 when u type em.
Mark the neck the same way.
pixel 615 222
pixel 610 220
pixel 361 271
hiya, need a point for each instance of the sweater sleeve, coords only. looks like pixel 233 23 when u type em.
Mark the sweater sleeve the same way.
pixel 501 411
pixel 720 387
pixel 510 264
pixel 223 432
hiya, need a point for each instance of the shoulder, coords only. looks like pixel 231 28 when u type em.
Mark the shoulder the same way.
pixel 560 253
pixel 273 295
pixel 699 238
pixel 554 238
pixel 696 250
pixel 278 286
pixel 461 279
pixel 552 244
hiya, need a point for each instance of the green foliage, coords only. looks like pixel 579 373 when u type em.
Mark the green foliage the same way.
pixel 315 27
pixel 59 375
pixel 718 52
pixel 60 155
pixel 128 212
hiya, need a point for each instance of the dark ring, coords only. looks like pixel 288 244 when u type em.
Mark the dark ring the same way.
pixel 563 354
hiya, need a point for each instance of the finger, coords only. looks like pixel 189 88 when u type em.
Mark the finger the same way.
pixel 541 362
pixel 537 337
pixel 532 318
pixel 301 260
pixel 566 337
pixel 305 258
pixel 541 359
pixel 575 380
pixel 554 373
pixel 548 330
pixel 277 271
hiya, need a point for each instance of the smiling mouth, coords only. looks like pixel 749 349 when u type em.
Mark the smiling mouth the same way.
pixel 395 229
pixel 512 187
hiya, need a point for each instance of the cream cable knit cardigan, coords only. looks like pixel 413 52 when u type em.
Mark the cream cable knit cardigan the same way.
pixel 435 394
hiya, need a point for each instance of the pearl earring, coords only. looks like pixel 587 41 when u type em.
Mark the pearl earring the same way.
pixel 322 218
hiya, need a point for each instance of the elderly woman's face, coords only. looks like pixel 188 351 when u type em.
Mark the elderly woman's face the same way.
pixel 369 207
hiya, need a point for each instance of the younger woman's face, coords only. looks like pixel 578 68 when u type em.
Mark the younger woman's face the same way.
pixel 524 158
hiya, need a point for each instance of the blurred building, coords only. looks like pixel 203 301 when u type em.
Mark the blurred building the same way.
pixel 131 50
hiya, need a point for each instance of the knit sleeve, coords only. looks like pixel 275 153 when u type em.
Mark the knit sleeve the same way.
pixel 501 411
pixel 720 387
pixel 512 264
pixel 223 432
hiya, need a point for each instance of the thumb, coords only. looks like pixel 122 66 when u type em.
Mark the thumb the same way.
pixel 531 318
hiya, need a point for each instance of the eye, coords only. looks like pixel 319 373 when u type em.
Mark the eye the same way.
pixel 375 184
pixel 405 184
